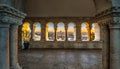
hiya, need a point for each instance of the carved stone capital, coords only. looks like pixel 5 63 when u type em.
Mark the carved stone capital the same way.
pixel 10 15
pixel 114 26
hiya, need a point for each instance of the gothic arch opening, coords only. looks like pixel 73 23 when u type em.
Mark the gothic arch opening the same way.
pixel 85 31
pixel 37 31
pixel 95 32
pixel 50 31
pixel 26 33
pixel 61 32
pixel 71 32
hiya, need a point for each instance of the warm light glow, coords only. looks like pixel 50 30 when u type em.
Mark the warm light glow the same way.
pixel 26 32
pixel 85 31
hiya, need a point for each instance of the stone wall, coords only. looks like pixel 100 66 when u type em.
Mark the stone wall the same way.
pixel 68 45
pixel 62 44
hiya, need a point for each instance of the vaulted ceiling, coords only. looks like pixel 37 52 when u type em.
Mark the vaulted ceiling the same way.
pixel 43 8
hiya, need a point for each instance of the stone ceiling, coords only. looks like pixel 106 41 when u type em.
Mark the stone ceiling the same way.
pixel 57 8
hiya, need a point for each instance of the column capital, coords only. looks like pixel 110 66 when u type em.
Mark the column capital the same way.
pixel 4 25
pixel 114 26
pixel 10 15
pixel 14 26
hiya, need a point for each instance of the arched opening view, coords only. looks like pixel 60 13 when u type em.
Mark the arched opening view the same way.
pixel 50 31
pixel 36 31
pixel 85 31
pixel 60 32
pixel 95 32
pixel 26 32
pixel 71 32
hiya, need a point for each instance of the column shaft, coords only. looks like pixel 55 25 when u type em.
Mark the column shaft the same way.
pixel 55 29
pixel 43 31
pixel 105 49
pixel 32 31
pixel 14 47
pixel 78 32
pixel 115 46
pixel 4 46
pixel 66 28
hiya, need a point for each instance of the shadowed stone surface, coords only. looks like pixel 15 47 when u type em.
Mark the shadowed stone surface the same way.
pixel 60 59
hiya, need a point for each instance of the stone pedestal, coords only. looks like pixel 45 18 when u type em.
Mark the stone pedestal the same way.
pixel 115 46
pixel 4 46
pixel 14 47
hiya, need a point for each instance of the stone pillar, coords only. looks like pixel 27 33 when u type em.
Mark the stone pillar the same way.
pixel 88 27
pixel 89 31
pixel 14 47
pixel 66 28
pixel 4 46
pixel 46 30
pixel 55 29
pixel 20 36
pixel 115 46
pixel 78 32
pixel 105 35
pixel 6 19
pixel 43 31
pixel 32 31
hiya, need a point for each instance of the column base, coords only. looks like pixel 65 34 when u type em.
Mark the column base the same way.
pixel 16 67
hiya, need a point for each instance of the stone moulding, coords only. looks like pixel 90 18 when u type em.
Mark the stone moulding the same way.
pixel 10 15
pixel 59 19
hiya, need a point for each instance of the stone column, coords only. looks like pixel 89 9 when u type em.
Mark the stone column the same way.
pixel 66 28
pixel 78 32
pixel 115 46
pixel 32 31
pixel 14 47
pixel 4 46
pixel 8 19
pixel 43 31
pixel 105 49
pixel 46 30
pixel 90 28
pixel 55 29
pixel 20 37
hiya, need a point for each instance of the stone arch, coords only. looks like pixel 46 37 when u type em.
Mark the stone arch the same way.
pixel 50 31
pixel 61 31
pixel 85 31
pixel 36 31
pixel 95 32
pixel 71 31
pixel 26 31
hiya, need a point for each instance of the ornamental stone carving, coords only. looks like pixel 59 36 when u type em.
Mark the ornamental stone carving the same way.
pixel 10 15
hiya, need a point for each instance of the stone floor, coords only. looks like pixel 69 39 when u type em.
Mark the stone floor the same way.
pixel 60 59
